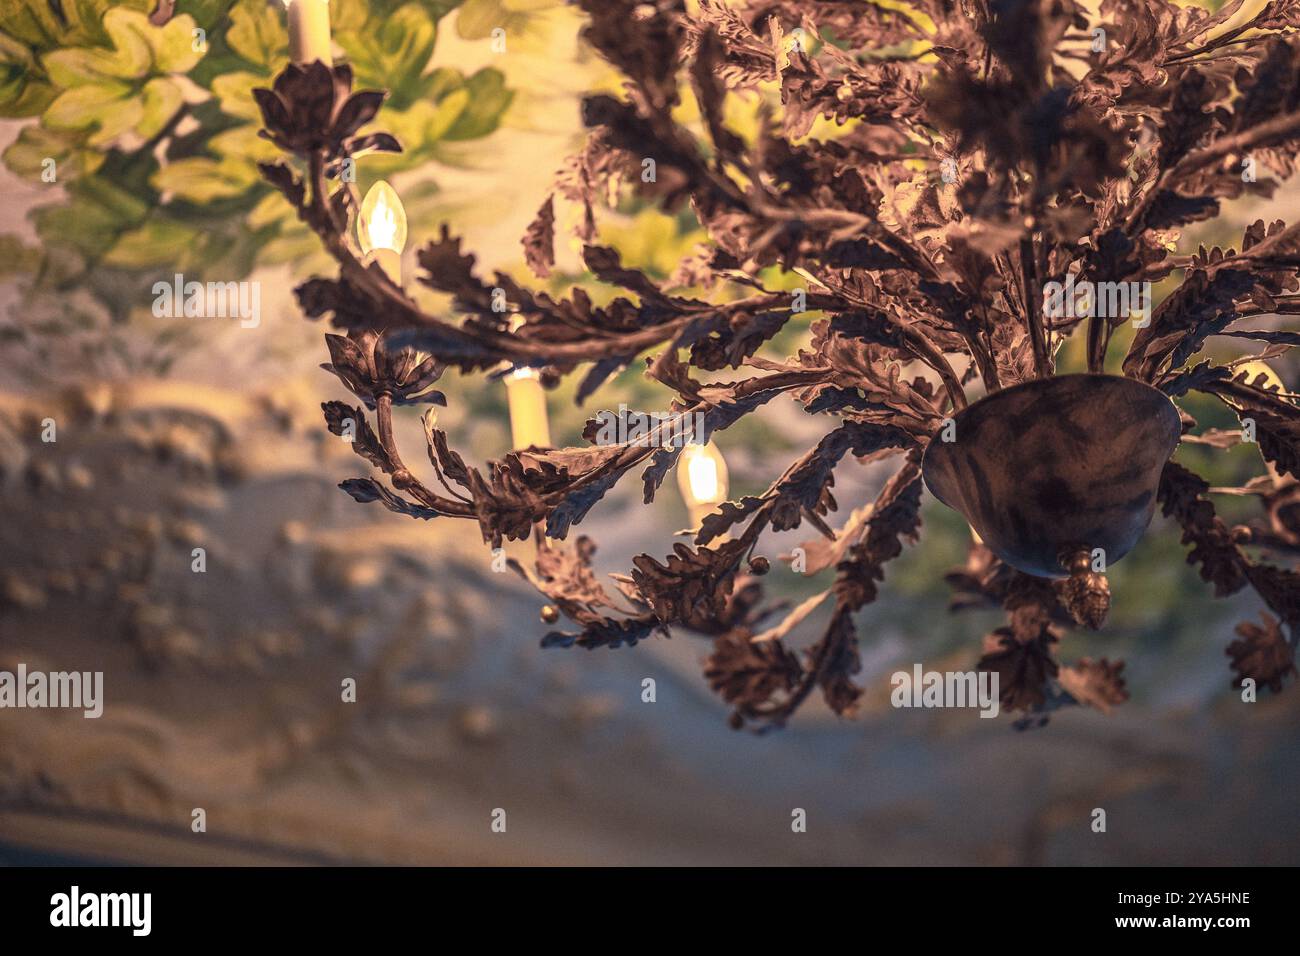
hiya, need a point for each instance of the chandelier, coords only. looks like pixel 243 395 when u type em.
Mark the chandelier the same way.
pixel 976 198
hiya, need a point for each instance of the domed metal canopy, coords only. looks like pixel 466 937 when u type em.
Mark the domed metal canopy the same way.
pixel 1057 465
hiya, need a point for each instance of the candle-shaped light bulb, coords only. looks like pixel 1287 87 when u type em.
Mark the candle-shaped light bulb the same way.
pixel 702 477
pixel 381 228
pixel 309 31
pixel 529 424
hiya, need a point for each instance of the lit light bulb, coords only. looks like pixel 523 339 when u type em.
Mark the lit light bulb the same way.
pixel 382 222
pixel 702 477
pixel 381 228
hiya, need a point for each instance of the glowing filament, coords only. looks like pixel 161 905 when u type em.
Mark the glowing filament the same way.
pixel 382 222
pixel 703 479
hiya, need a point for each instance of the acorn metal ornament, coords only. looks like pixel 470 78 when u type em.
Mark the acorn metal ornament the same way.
pixel 1050 471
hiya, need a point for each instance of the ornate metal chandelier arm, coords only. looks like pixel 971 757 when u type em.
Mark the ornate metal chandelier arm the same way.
pixel 1268 133
pixel 834 659
pixel 1032 301
pixel 632 453
pixel 323 215
pixel 847 224
pixel 400 312
pixel 1276 419
pixel 922 346
pixel 1261 654
pixel 1216 549
pixel 401 476
pixel 933 357
pixel 1263 538
pixel 776 713
pixel 700 588
pixel 377 302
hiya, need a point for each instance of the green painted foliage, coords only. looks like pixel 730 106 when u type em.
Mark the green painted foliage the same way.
pixel 153 132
